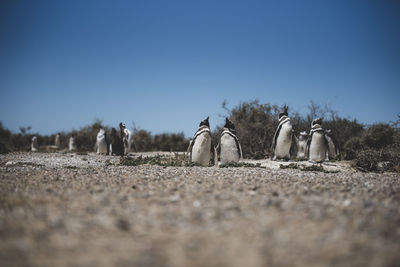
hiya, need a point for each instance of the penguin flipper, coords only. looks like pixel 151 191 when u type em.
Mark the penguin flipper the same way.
pixel 189 150
pixel 240 151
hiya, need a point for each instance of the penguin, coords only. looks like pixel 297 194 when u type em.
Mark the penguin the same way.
pixel 231 151
pixel 333 147
pixel 317 145
pixel 72 143
pixel 301 145
pixel 127 138
pixel 34 144
pixel 101 143
pixel 116 145
pixel 283 142
pixel 57 141
pixel 201 148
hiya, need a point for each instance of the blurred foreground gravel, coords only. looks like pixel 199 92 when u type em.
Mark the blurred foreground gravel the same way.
pixel 60 209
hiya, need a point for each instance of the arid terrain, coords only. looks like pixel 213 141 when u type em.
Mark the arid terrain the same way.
pixel 65 209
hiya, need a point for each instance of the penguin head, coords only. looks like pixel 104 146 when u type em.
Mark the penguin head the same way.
pixel 122 125
pixel 205 123
pixel 284 111
pixel 34 138
pixel 328 132
pixel 229 124
pixel 316 121
pixel 303 133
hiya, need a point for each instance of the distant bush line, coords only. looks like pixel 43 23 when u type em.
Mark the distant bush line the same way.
pixel 371 146
pixel 86 139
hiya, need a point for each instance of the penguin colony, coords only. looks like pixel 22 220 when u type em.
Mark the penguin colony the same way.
pixel 117 143
pixel 317 146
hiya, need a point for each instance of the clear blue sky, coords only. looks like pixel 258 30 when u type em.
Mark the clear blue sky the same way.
pixel 168 64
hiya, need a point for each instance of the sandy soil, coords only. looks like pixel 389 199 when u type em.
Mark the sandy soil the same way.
pixel 60 209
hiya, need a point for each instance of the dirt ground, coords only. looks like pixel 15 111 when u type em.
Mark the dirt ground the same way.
pixel 62 209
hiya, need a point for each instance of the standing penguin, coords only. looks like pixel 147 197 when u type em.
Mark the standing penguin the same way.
pixel 201 148
pixel 301 145
pixel 34 144
pixel 116 146
pixel 72 143
pixel 283 143
pixel 317 145
pixel 127 138
pixel 231 150
pixel 57 141
pixel 333 146
pixel 101 144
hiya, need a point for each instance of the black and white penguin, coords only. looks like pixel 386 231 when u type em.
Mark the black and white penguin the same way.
pixel 231 151
pixel 317 145
pixel 201 148
pixel 72 143
pixel 301 145
pixel 57 141
pixel 34 144
pixel 116 145
pixel 101 143
pixel 127 138
pixel 283 142
pixel 333 146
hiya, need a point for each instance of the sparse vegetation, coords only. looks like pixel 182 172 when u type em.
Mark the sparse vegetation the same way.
pixel 302 167
pixel 373 148
pixel 241 164
pixel 160 160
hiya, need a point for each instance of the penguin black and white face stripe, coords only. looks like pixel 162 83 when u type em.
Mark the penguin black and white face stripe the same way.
pixel 284 111
pixel 317 144
pixel 201 148
pixel 231 150
pixel 283 142
pixel 205 122
pixel 317 121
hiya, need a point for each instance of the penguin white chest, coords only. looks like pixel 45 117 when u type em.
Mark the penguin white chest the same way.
pixel 318 147
pixel 301 152
pixel 34 145
pixel 284 141
pixel 331 148
pixel 71 144
pixel 101 144
pixel 201 149
pixel 229 149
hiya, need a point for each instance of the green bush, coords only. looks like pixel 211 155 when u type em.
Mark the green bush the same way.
pixel 378 136
pixel 255 126
pixel 387 159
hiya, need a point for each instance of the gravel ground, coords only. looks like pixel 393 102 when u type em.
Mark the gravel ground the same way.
pixel 61 209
